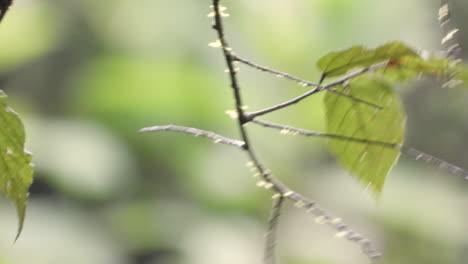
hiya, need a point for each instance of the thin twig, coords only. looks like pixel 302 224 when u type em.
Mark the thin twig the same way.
pixel 196 132
pixel 417 154
pixel 277 73
pixel 304 132
pixel 300 81
pixel 268 180
pixel 250 116
pixel 322 217
pixel 438 163
pixel 270 239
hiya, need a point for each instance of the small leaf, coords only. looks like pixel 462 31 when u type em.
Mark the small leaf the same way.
pixel 337 63
pixel 369 162
pixel 16 171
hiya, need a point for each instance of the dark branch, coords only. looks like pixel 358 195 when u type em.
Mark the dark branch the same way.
pixel 218 26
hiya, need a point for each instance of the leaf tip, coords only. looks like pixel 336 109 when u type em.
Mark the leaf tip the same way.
pixel 21 210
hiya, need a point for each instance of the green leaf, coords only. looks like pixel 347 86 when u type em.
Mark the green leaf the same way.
pixel 338 63
pixel 16 171
pixel 407 68
pixel 369 162
pixel 453 71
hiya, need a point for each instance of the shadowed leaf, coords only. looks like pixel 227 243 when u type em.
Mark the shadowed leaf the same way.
pixel 15 163
pixel 370 163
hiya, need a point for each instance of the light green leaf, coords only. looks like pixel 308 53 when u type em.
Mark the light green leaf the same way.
pixel 338 63
pixel 15 163
pixel 452 71
pixel 369 162
pixel 408 68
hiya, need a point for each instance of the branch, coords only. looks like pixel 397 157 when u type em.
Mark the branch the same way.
pixel 218 26
pixel 250 116
pixel 270 240
pixel 321 216
pixel 268 180
pixel 195 132
pixel 277 73
pixel 417 154
pixel 300 81
pixel 434 161
pixel 286 129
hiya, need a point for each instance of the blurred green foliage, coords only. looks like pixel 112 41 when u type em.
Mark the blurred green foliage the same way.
pixel 15 164
pixel 87 75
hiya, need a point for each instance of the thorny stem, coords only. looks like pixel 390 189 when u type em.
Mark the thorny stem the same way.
pixel 218 27
pixel 270 181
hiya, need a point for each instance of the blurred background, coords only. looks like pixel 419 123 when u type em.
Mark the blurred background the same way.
pixel 87 75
